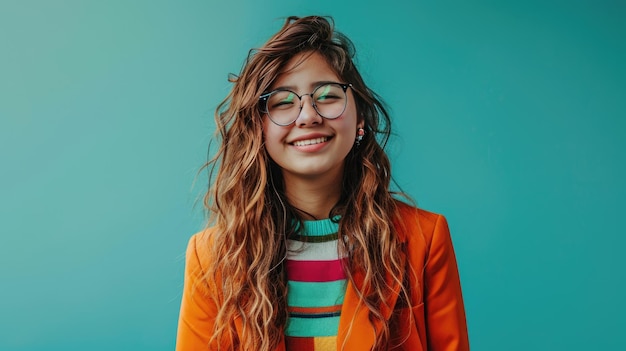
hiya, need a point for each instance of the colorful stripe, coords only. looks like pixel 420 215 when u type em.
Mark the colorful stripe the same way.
pixel 313 310
pixel 309 327
pixel 306 251
pixel 316 315
pixel 315 271
pixel 305 294
pixel 319 227
pixel 325 343
pixel 314 238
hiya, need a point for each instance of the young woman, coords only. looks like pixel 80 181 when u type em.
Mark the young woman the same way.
pixel 307 248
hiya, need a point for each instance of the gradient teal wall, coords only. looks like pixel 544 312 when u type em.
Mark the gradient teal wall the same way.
pixel 510 120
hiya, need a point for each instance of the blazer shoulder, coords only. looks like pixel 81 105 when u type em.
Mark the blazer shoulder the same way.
pixel 409 210
pixel 414 218
pixel 198 248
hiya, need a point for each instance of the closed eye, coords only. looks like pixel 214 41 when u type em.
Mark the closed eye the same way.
pixel 282 101
pixel 328 97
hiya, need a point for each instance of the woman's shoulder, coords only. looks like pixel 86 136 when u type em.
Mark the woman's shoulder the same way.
pixel 407 210
pixel 204 235
pixel 415 222
pixel 199 247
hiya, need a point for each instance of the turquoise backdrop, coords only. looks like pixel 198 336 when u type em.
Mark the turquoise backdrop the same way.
pixel 509 119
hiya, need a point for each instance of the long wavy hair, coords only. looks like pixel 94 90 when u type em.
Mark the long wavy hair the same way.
pixel 253 219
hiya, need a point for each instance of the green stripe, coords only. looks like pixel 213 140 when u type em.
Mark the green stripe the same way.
pixel 315 238
pixel 309 327
pixel 307 294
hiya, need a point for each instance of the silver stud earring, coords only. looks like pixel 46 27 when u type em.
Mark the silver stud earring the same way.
pixel 359 136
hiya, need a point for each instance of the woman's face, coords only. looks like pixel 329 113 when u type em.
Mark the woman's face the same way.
pixel 312 147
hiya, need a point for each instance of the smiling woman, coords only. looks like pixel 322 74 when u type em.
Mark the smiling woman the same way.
pixel 306 247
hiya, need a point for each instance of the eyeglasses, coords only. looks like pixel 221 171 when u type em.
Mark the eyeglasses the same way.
pixel 329 101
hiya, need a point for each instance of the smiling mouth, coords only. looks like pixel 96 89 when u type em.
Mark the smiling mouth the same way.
pixel 311 141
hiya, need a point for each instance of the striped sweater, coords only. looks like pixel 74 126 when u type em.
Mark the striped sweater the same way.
pixel 316 287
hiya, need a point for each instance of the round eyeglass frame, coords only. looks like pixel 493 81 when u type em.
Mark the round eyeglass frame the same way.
pixel 263 99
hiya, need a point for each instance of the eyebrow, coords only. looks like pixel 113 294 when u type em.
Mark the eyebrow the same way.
pixel 313 85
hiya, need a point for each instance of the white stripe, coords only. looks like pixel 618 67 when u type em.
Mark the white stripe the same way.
pixel 303 251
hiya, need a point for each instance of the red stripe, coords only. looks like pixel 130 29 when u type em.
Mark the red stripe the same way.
pixel 315 271
pixel 300 343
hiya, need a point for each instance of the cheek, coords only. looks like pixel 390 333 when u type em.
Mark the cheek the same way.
pixel 265 126
pixel 268 130
pixel 352 109
pixel 273 136
pixel 349 121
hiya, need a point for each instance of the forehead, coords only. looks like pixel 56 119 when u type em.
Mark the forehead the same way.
pixel 305 71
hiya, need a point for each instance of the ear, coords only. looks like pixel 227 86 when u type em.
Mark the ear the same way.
pixel 360 121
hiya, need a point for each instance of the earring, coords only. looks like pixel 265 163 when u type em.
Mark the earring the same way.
pixel 359 136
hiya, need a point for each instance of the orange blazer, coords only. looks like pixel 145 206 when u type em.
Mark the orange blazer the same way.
pixel 438 322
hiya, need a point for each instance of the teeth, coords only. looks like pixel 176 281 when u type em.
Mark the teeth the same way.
pixel 310 141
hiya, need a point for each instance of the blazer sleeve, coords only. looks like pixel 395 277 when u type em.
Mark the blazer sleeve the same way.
pixel 197 310
pixel 443 300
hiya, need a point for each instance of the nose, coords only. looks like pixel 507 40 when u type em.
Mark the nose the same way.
pixel 308 114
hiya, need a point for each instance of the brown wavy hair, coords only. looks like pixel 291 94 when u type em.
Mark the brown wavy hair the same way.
pixel 248 206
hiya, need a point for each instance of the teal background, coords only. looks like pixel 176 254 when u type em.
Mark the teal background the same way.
pixel 509 119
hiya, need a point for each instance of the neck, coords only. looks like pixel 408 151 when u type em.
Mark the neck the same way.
pixel 314 196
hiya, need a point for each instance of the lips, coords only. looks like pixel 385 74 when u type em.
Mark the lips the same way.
pixel 312 141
